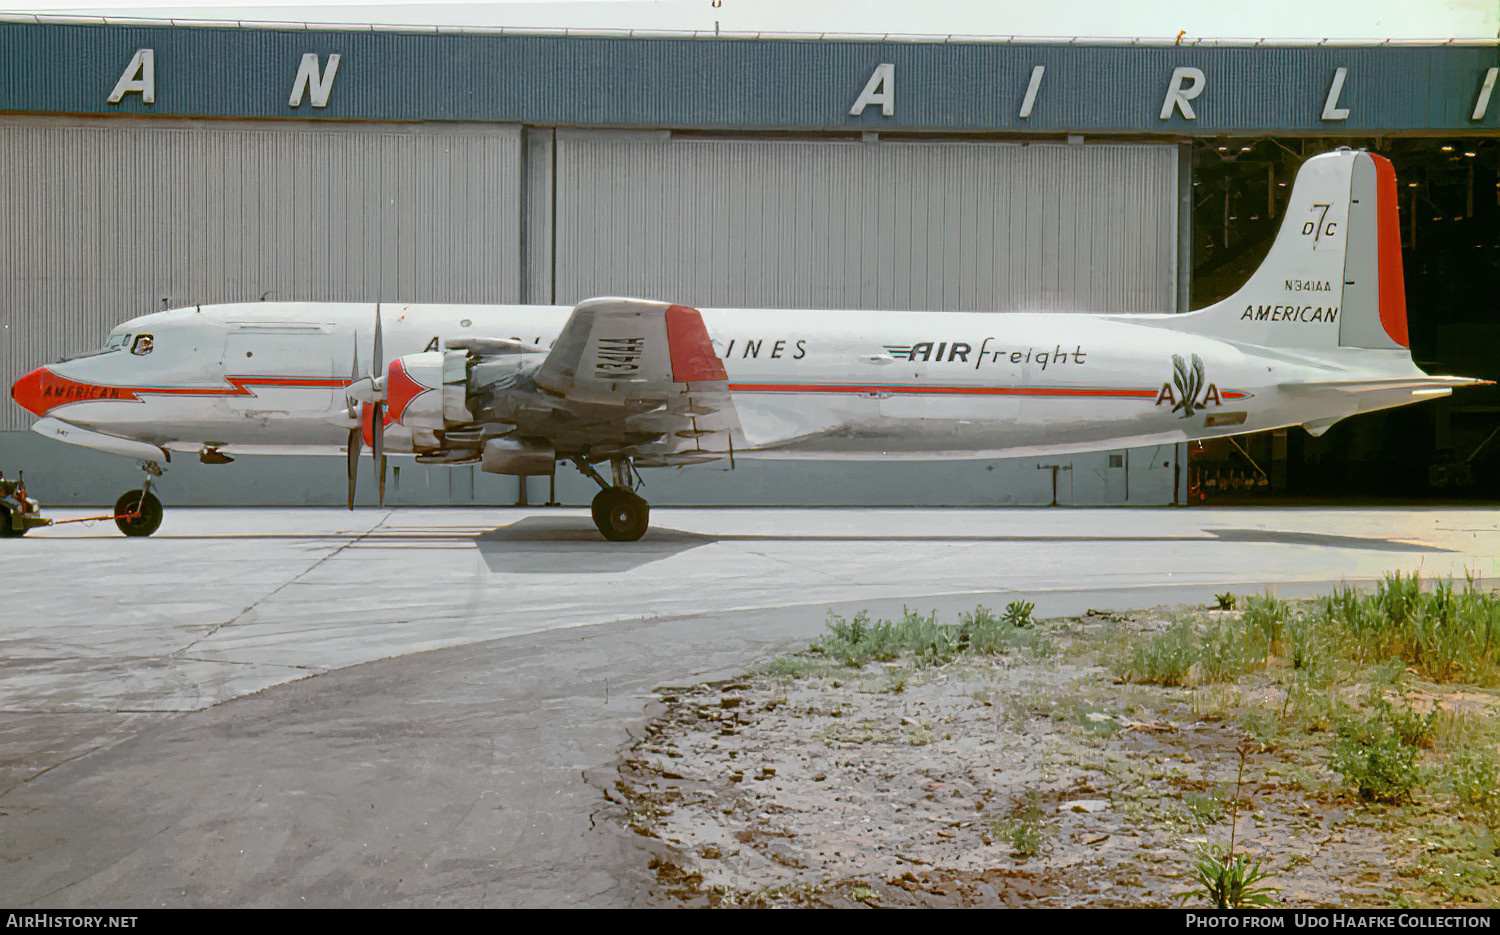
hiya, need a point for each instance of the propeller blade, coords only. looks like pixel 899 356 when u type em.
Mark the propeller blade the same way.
pixel 365 396
pixel 354 375
pixel 354 444
pixel 377 445
pixel 379 368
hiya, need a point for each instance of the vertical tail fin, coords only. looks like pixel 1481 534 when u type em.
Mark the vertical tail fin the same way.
pixel 1333 277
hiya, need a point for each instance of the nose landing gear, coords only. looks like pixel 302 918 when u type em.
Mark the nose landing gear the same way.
pixel 138 512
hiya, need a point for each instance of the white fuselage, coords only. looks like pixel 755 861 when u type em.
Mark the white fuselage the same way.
pixel 270 377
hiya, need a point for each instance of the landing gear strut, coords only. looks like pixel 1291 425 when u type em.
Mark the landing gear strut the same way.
pixel 138 512
pixel 619 513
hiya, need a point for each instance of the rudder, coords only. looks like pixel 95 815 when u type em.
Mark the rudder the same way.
pixel 1373 276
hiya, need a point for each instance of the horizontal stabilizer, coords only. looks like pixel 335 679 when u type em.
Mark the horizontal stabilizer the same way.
pixel 1417 385
pixel 1368 395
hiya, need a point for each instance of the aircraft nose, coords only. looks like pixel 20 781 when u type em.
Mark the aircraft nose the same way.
pixel 28 392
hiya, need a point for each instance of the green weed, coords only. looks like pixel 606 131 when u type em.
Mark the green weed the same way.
pixel 858 641
pixel 1472 777
pixel 1204 808
pixel 795 667
pixel 1194 651
pixel 1230 881
pixel 1018 613
pixel 1025 827
pixel 1372 757
pixel 1224 878
pixel 1468 868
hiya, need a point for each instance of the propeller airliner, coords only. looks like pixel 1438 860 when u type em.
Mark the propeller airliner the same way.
pixel 1317 334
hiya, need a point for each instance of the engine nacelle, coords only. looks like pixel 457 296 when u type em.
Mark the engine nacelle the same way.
pixel 439 396
pixel 425 394
pixel 517 456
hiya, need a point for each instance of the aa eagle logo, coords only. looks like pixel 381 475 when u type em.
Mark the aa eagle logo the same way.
pixel 1192 389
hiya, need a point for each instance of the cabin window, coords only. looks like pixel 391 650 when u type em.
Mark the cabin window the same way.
pixel 142 345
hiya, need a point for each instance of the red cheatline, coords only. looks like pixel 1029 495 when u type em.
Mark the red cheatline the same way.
pixel 43 390
pixel 1112 392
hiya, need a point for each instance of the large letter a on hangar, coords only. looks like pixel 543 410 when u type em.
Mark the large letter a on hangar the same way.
pixel 880 89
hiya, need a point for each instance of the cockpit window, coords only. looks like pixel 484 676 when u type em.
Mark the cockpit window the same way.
pixel 115 342
pixel 142 345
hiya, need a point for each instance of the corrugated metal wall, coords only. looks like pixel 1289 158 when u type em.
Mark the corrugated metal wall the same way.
pixel 879 225
pixel 103 220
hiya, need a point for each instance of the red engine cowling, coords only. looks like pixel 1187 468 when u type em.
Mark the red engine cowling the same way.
pixel 425 394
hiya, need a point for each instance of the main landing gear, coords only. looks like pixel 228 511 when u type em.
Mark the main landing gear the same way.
pixel 619 513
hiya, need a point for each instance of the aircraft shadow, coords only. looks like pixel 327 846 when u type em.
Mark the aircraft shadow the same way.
pixel 1323 540
pixel 534 544
pixel 571 545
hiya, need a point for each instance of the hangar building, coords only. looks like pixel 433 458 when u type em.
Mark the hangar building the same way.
pixel 151 165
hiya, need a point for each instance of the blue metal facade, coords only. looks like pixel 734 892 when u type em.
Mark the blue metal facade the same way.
pixel 764 84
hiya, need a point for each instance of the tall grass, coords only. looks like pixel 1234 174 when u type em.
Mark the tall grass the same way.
pixel 1195 650
pixel 1445 633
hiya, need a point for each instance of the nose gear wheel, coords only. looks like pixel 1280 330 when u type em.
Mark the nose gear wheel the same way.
pixel 138 513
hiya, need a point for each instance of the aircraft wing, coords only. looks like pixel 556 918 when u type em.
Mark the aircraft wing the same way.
pixel 635 378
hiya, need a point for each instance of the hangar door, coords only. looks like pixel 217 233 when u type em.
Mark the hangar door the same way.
pixel 106 219
pixel 880 225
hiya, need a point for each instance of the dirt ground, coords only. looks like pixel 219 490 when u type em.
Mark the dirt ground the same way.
pixel 1004 781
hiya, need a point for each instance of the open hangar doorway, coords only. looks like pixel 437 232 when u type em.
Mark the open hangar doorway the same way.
pixel 1446 449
